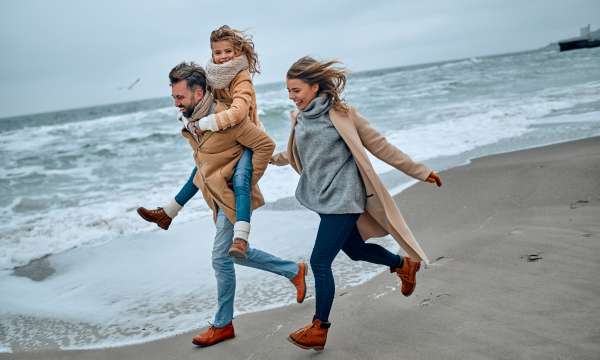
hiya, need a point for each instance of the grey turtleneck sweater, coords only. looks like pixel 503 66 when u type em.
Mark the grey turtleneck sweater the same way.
pixel 330 182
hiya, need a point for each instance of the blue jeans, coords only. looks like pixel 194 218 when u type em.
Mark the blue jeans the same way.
pixel 339 232
pixel 225 273
pixel 242 187
pixel 188 190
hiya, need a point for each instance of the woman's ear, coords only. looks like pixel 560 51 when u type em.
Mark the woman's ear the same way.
pixel 314 88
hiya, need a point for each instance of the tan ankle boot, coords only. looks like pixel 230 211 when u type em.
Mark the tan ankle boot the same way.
pixel 312 336
pixel 158 216
pixel 299 282
pixel 239 249
pixel 214 335
pixel 408 275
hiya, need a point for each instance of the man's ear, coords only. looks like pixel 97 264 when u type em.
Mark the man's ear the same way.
pixel 198 92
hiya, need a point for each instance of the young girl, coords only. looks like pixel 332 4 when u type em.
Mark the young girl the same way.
pixel 229 74
pixel 327 147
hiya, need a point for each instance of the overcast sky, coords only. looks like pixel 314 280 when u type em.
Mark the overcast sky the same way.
pixel 66 54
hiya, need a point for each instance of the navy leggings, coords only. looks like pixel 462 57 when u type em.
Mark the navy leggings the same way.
pixel 339 232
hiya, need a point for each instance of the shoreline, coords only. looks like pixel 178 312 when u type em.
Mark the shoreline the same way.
pixel 433 222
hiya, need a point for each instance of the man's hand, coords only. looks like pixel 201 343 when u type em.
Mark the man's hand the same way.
pixel 434 179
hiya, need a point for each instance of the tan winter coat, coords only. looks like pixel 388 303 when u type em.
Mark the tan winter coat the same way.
pixel 240 99
pixel 216 155
pixel 381 216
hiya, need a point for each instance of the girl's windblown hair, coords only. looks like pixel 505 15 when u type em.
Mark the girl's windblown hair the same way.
pixel 242 43
pixel 331 79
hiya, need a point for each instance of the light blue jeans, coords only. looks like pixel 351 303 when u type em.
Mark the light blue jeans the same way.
pixel 225 273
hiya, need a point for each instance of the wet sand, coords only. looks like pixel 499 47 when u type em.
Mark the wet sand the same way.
pixel 514 241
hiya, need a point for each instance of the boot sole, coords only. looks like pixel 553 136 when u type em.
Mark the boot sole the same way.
pixel 151 220
pixel 315 348
pixel 413 289
pixel 300 301
pixel 207 345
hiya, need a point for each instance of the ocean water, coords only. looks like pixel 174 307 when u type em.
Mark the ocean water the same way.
pixel 70 183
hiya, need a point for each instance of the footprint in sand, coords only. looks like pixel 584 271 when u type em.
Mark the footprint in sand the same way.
pixel 578 203
pixel 429 301
pixel 532 257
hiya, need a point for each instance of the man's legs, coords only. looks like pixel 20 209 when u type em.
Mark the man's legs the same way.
pixel 224 270
pixel 225 273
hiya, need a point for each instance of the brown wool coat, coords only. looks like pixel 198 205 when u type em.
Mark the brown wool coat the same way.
pixel 216 155
pixel 240 99
pixel 381 216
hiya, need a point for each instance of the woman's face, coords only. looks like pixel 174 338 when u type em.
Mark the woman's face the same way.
pixel 301 93
pixel 222 51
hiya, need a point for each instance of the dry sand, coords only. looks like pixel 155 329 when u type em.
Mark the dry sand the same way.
pixel 515 245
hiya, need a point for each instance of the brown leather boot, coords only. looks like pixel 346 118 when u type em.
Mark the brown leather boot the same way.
pixel 157 216
pixel 214 335
pixel 300 282
pixel 408 275
pixel 239 249
pixel 312 336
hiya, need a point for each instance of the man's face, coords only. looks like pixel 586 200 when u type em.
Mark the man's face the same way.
pixel 184 98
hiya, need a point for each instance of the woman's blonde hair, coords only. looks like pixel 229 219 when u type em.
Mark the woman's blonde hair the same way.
pixel 242 44
pixel 331 79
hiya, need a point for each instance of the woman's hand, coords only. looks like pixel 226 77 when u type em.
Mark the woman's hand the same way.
pixel 434 179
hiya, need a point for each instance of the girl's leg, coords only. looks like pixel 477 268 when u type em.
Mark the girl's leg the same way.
pixel 242 187
pixel 162 216
pixel 333 231
pixel 183 196
pixel 187 191
pixel 357 249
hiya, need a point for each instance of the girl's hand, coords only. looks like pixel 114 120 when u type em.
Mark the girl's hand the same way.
pixel 434 179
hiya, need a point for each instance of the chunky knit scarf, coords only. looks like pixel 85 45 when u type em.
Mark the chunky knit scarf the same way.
pixel 219 76
pixel 205 107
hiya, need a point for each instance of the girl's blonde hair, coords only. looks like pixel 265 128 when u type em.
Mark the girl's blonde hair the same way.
pixel 242 44
pixel 331 80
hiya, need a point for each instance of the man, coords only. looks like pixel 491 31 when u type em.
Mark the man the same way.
pixel 216 154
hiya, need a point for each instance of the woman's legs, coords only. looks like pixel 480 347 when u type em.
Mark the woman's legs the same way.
pixel 357 249
pixel 333 231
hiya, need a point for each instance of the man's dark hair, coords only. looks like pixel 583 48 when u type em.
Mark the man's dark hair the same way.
pixel 192 73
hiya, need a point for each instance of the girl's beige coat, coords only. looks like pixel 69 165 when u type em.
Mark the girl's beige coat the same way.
pixel 217 154
pixel 381 216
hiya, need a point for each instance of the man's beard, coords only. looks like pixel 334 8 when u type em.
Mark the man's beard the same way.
pixel 188 111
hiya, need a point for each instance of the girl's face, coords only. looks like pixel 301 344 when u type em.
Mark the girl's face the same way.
pixel 301 93
pixel 222 51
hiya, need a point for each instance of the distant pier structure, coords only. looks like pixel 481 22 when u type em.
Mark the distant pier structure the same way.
pixel 586 39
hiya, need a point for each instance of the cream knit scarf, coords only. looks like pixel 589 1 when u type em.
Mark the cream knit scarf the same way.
pixel 219 76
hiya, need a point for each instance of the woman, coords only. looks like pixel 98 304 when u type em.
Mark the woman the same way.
pixel 327 148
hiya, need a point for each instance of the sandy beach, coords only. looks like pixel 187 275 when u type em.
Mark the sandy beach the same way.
pixel 514 241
